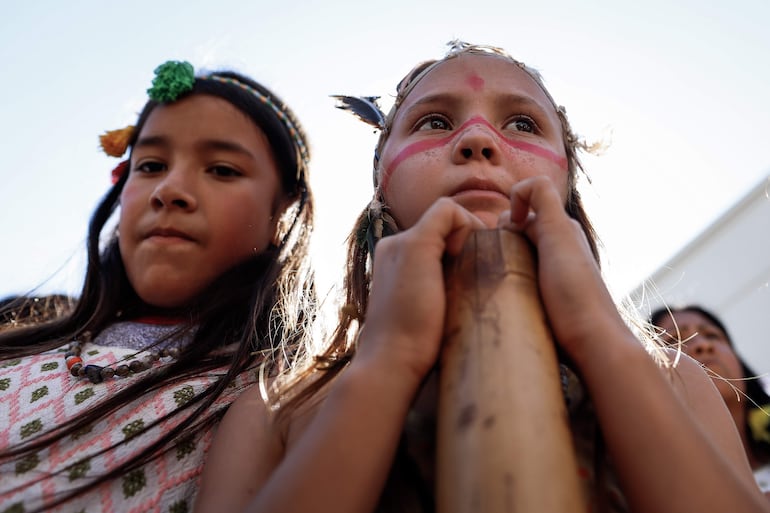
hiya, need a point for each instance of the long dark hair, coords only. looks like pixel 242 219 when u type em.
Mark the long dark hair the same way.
pixel 756 396
pixel 259 312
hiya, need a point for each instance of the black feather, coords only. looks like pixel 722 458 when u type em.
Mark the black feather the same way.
pixel 365 108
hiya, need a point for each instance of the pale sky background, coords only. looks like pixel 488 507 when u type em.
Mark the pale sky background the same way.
pixel 682 87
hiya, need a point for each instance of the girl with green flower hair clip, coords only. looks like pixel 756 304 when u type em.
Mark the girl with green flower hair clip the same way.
pixel 203 285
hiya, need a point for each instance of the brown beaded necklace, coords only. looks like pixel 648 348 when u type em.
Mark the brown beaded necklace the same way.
pixel 98 373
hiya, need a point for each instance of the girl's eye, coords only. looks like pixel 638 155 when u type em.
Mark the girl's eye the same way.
pixel 714 336
pixel 522 124
pixel 225 171
pixel 433 122
pixel 150 167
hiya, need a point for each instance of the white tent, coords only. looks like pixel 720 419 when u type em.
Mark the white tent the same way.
pixel 725 269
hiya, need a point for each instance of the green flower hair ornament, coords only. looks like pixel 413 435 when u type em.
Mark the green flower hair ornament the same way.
pixel 759 423
pixel 172 78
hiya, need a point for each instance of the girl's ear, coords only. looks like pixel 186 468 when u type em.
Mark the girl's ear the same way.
pixel 279 221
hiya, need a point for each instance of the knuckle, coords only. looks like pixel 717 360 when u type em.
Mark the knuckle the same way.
pixel 576 226
pixel 444 205
pixel 388 245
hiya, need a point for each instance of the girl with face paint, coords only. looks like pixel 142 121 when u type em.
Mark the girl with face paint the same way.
pixel 474 141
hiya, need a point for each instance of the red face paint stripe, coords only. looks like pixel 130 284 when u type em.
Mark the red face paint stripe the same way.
pixel 418 147
pixel 422 146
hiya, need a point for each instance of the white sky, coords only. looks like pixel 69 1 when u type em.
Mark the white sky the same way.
pixel 683 88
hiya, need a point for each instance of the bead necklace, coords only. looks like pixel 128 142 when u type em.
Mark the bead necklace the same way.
pixel 98 373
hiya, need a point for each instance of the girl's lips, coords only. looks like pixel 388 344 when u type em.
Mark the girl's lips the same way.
pixel 478 186
pixel 479 193
pixel 168 234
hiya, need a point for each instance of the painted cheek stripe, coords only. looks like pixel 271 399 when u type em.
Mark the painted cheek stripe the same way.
pixel 418 147
pixel 423 146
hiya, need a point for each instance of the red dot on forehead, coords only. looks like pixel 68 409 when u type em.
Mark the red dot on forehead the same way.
pixel 475 82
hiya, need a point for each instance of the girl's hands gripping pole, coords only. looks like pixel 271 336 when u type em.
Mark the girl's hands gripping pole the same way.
pixel 573 292
pixel 632 396
pixel 408 299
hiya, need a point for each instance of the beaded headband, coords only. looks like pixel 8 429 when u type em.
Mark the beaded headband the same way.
pixel 174 78
pixel 285 119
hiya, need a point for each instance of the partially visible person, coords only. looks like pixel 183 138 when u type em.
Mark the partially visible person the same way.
pixel 704 337
pixel 19 310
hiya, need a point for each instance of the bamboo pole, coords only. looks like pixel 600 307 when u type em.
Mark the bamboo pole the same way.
pixel 503 437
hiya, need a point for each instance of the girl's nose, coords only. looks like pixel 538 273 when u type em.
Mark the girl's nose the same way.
pixel 477 143
pixel 175 190
pixel 699 346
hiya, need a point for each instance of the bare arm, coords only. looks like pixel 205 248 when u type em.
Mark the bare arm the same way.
pixel 674 445
pixel 246 447
pixel 340 461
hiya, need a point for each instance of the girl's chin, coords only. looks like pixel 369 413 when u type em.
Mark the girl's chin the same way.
pixel 490 219
pixel 486 205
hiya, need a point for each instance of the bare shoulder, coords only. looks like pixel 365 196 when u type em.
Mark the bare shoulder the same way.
pixel 695 389
pixel 250 443
pixel 294 427
pixel 250 406
pixel 247 447
pixel 698 393
pixel 689 380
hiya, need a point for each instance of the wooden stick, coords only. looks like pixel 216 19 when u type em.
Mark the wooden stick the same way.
pixel 503 437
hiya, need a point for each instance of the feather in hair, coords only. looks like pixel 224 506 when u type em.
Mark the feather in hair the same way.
pixel 365 108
